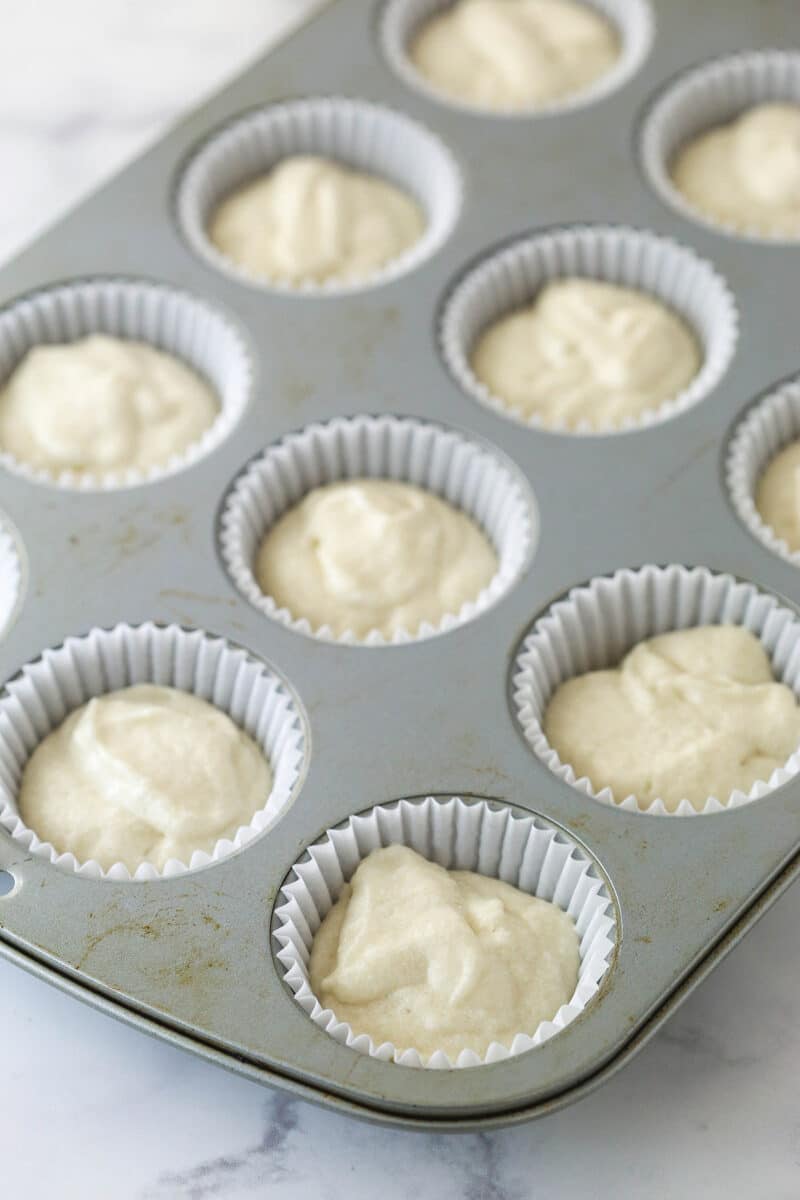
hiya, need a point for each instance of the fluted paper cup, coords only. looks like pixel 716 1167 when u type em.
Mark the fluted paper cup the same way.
pixel 163 317
pixel 45 692
pixel 366 137
pixel 10 575
pixel 479 836
pixel 599 622
pixel 769 426
pixel 631 19
pixel 509 279
pixel 470 476
pixel 703 98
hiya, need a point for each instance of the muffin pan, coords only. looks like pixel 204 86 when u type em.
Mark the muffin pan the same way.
pixel 193 957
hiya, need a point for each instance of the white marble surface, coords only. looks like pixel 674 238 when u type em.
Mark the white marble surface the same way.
pixel 93 1109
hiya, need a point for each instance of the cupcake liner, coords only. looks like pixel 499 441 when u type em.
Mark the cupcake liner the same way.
pixel 510 278
pixel 471 477
pixel 167 319
pixel 766 429
pixel 704 97
pixel 10 575
pixel 595 626
pixel 473 836
pixel 632 19
pixel 364 136
pixel 37 700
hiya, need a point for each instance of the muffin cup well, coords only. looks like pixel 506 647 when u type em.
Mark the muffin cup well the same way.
pixel 366 137
pixel 596 625
pixel 510 278
pixel 469 476
pixel 771 425
pixel 707 96
pixel 41 696
pixel 163 317
pixel 459 835
pixel 632 19
pixel 10 575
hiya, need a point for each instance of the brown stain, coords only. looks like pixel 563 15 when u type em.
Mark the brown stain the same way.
pixel 721 905
pixel 175 516
pixel 578 823
pixel 196 968
pixel 146 930
pixel 193 973
pixel 296 392
pixel 648 941
pixel 196 597
pixel 130 539
pixel 105 550
pixel 495 774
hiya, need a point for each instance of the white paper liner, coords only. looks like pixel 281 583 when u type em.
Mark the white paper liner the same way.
pixel 366 137
pixel 595 626
pixel 10 575
pixel 471 477
pixel 459 835
pixel 632 19
pixel 707 96
pixel 163 317
pixel 510 278
pixel 772 424
pixel 37 700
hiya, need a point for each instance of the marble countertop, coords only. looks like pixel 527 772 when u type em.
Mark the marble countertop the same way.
pixel 91 1108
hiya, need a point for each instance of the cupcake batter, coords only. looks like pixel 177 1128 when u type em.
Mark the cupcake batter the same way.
pixel 145 774
pixel 747 174
pixel 310 219
pixel 512 54
pixel 778 495
pixel 431 959
pixel 687 715
pixel 586 353
pixel 374 554
pixel 102 405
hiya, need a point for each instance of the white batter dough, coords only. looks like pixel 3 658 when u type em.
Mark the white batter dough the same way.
pixel 441 960
pixel 310 219
pixel 145 774
pixel 586 353
pixel 778 495
pixel 512 54
pixel 747 174
pixel 687 715
pixel 102 405
pixel 370 554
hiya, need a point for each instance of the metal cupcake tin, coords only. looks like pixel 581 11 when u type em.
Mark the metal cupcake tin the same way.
pixel 190 958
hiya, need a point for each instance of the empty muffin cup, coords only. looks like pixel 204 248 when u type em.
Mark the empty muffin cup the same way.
pixel 475 835
pixel 10 575
pixel 599 622
pixel 632 20
pixel 767 428
pixel 510 278
pixel 164 318
pixel 365 137
pixel 468 475
pixel 706 97
pixel 37 700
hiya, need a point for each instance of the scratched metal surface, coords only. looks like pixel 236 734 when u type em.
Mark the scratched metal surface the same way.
pixel 190 957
